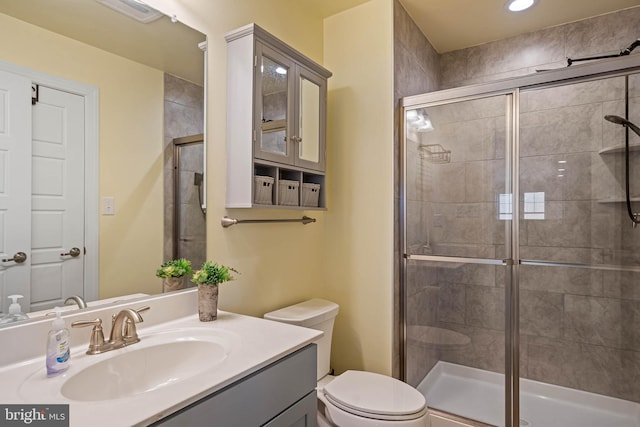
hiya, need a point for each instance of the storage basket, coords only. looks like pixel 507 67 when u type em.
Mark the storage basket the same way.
pixel 288 192
pixel 309 195
pixel 263 190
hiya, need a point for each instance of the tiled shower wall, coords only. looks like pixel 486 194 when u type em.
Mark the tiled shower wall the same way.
pixel 579 327
pixel 183 116
pixel 416 72
pixel 544 49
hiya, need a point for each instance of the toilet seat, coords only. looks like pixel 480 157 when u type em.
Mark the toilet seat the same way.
pixel 375 396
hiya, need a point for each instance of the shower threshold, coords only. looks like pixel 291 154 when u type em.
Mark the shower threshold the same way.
pixel 479 395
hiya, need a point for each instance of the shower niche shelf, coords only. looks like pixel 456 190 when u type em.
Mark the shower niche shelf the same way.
pixel 618 149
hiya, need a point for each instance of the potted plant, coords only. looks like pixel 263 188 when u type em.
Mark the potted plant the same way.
pixel 172 273
pixel 208 278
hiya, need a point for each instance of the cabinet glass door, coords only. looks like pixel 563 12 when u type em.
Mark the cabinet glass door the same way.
pixel 273 106
pixel 310 137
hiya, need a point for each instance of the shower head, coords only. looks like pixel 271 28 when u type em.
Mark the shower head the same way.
pixel 624 122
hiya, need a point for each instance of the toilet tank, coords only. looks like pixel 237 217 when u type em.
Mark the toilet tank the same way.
pixel 314 314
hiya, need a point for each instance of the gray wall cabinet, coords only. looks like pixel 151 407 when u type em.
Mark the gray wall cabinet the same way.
pixel 276 123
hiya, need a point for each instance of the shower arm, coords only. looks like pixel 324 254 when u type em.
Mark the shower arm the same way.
pixel 623 52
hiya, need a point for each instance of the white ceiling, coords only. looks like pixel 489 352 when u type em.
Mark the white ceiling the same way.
pixel 448 24
pixel 160 44
pixel 457 24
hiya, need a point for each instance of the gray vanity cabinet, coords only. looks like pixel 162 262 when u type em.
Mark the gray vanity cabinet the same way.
pixel 281 394
pixel 276 120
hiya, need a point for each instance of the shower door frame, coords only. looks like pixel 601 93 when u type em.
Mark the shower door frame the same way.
pixel 178 143
pixel 512 87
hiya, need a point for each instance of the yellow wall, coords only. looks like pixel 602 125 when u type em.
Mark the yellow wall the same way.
pixel 131 115
pixel 279 264
pixel 347 256
pixel 359 244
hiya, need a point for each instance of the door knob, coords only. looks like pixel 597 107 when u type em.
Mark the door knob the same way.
pixel 74 252
pixel 19 257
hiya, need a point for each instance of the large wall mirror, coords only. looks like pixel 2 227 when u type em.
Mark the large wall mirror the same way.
pixel 140 154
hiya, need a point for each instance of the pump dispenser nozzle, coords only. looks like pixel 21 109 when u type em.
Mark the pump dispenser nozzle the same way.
pixel 15 308
pixel 15 311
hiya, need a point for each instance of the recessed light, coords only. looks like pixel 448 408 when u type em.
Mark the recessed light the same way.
pixel 519 5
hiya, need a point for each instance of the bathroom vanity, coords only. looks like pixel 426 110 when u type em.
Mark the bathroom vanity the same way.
pixel 280 395
pixel 235 371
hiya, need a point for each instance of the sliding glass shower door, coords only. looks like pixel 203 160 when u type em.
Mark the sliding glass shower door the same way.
pixel 579 277
pixel 458 211
pixel 521 265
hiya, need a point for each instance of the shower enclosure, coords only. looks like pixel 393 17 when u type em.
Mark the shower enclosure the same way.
pixel 189 228
pixel 520 289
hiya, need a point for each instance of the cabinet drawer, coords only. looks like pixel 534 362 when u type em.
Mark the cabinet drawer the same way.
pixel 302 414
pixel 255 399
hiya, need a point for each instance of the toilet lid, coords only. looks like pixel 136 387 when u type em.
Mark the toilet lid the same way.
pixel 375 395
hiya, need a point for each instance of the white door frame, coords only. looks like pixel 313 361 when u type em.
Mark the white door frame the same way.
pixel 91 163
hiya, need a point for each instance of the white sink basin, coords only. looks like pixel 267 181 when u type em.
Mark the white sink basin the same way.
pixel 157 361
pixel 142 370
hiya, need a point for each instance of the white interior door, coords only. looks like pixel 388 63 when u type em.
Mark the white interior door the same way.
pixel 57 198
pixel 15 186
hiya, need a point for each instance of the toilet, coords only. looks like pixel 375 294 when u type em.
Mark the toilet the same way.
pixel 354 398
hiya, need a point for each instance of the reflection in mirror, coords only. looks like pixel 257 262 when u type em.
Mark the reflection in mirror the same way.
pixel 189 230
pixel 309 120
pixel 274 107
pixel 144 84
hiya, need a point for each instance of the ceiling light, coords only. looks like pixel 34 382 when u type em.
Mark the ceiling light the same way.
pixel 519 5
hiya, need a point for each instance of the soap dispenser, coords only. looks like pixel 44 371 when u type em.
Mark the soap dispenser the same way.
pixel 58 343
pixel 15 312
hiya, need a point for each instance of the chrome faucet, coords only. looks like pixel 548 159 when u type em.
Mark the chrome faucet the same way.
pixel 77 299
pixel 123 331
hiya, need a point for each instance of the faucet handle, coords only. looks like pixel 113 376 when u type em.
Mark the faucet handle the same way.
pixel 130 335
pixel 141 309
pixel 96 342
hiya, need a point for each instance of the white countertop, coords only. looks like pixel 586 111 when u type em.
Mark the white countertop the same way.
pixel 255 344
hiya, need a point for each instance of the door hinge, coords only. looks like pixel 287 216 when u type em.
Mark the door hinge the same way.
pixel 255 136
pixel 35 90
pixel 255 60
